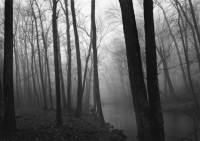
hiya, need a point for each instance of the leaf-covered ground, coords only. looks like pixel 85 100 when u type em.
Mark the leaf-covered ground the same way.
pixel 38 125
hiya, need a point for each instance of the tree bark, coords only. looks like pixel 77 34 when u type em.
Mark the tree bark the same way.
pixel 61 77
pixel 139 95
pixel 78 58
pixel 56 63
pixel 95 57
pixel 157 127
pixel 69 57
pixel 9 122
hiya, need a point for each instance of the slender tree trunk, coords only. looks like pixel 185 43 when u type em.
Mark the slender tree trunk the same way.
pixel 69 103
pixel 139 94
pixel 56 63
pixel 28 74
pixel 157 127
pixel 1 97
pixel 78 58
pixel 16 75
pixel 9 122
pixel 61 77
pixel 95 57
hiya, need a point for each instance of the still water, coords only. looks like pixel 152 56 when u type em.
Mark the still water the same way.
pixel 177 124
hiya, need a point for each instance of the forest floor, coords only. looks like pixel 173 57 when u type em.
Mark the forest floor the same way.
pixel 39 125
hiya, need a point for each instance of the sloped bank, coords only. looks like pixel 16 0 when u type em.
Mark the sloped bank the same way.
pixel 38 125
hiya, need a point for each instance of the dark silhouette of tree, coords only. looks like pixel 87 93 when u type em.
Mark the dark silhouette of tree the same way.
pixel 64 102
pixel 69 83
pixel 1 97
pixel 139 94
pixel 9 122
pixel 157 128
pixel 56 64
pixel 95 63
pixel 78 58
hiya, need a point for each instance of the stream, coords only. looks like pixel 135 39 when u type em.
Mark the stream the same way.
pixel 176 124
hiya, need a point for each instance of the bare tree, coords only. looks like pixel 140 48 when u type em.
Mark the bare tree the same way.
pixel 157 127
pixel 138 89
pixel 56 64
pixel 78 58
pixel 95 63
pixel 69 56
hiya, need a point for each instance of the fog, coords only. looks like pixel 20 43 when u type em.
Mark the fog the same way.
pixel 178 61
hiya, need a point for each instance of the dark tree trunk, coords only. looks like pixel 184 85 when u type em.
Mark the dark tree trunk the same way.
pixel 1 97
pixel 157 128
pixel 9 122
pixel 136 77
pixel 69 57
pixel 95 57
pixel 56 63
pixel 78 58
pixel 64 102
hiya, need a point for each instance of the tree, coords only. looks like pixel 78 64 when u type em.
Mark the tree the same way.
pixel 9 122
pixel 78 58
pixel 1 97
pixel 56 64
pixel 69 57
pixel 138 89
pixel 157 128
pixel 95 63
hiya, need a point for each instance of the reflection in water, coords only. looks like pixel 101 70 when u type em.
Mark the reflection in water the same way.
pixel 176 124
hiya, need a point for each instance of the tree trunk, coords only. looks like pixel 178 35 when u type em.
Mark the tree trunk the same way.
pixel 61 77
pixel 95 57
pixel 1 97
pixel 78 58
pixel 16 75
pixel 69 103
pixel 56 63
pixel 136 77
pixel 9 122
pixel 157 127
